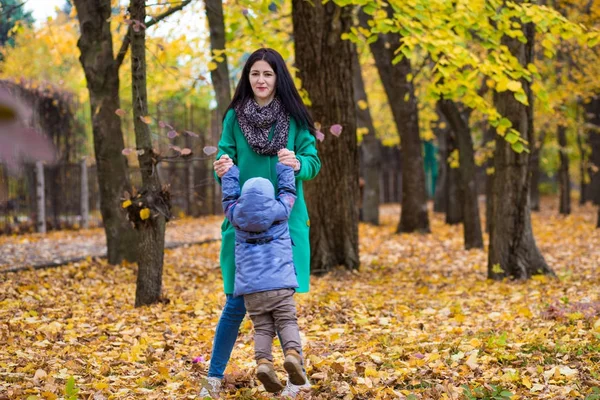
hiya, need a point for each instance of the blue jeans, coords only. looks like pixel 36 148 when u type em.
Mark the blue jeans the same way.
pixel 226 334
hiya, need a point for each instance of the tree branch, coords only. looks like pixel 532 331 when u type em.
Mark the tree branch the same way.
pixel 126 40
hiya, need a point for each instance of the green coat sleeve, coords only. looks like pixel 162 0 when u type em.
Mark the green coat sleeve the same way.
pixel 227 142
pixel 306 152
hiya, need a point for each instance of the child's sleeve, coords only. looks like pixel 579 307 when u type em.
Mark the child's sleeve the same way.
pixel 286 193
pixel 231 191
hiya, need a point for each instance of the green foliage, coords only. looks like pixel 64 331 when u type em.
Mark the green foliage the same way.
pixel 489 392
pixel 595 395
pixel 12 16
pixel 70 390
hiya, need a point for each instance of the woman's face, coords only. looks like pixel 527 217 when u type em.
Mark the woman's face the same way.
pixel 262 80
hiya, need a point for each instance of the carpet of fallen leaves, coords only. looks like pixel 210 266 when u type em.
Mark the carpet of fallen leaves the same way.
pixel 418 321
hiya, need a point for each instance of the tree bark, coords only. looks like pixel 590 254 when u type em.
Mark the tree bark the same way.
pixel 489 137
pixel 334 229
pixel 583 184
pixel 219 76
pixel 564 181
pixel 593 122
pixel 454 211
pixel 470 205
pixel 401 96
pixel 534 188
pixel 440 198
pixel 102 76
pixel 513 251
pixel 151 243
pixel 371 151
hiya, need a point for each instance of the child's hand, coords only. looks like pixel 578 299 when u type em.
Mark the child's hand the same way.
pixel 287 157
pixel 222 165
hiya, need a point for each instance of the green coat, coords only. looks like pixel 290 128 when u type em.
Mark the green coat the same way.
pixel 251 165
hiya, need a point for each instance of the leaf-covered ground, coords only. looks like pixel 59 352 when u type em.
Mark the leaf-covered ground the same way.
pixel 418 321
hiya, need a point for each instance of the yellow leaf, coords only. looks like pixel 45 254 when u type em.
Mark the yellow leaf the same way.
pixel 147 119
pixel 212 66
pixel 126 203
pixel 362 104
pixel 100 385
pixel 526 382
pixel 145 213
pixel 514 86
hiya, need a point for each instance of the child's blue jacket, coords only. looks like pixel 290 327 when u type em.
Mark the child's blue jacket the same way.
pixel 263 247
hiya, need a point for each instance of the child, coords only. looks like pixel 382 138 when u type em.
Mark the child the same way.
pixel 265 274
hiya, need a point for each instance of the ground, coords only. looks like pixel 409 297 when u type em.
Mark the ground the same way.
pixel 418 321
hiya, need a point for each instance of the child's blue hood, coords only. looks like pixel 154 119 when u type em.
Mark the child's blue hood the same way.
pixel 253 210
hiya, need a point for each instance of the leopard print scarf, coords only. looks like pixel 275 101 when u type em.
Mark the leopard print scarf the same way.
pixel 256 123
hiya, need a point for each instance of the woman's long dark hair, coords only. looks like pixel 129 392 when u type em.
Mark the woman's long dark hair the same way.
pixel 284 88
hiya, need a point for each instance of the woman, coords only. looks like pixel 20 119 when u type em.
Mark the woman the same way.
pixel 266 122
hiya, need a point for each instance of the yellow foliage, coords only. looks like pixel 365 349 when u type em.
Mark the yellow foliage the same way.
pixel 145 213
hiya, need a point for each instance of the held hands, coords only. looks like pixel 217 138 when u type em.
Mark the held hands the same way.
pixel 222 165
pixel 287 157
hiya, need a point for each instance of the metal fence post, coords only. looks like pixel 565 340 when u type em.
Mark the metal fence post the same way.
pixel 41 201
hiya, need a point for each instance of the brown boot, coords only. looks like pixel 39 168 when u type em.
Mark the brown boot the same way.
pixel 293 366
pixel 266 374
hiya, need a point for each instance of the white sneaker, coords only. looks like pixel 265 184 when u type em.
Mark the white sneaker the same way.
pixel 211 388
pixel 291 391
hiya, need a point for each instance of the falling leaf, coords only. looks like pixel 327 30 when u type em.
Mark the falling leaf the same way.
pixel 171 134
pixel 363 105
pixel 145 213
pixel 209 150
pixel 147 119
pixel 127 151
pixel 190 133
pixel 336 130
pixel 120 112
pixel 320 136
pixel 126 203
pixel 185 151
pixel 140 152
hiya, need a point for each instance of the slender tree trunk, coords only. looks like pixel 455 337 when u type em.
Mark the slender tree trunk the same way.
pixel 401 96
pixel 151 243
pixel 583 184
pixel 489 140
pixel 102 77
pixel 534 188
pixel 454 210
pixel 334 229
pixel 593 121
pixel 371 151
pixel 219 76
pixel 470 205
pixel 513 251
pixel 564 181
pixel 440 198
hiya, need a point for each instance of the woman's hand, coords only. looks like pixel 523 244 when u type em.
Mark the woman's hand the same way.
pixel 287 157
pixel 222 165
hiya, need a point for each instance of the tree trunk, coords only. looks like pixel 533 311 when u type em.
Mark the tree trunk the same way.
pixel 371 151
pixel 219 76
pixel 564 181
pixel 151 243
pixel 534 188
pixel 489 138
pixel 102 78
pixel 583 184
pixel 401 96
pixel 440 198
pixel 454 209
pixel 334 229
pixel 593 121
pixel 513 251
pixel 470 205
